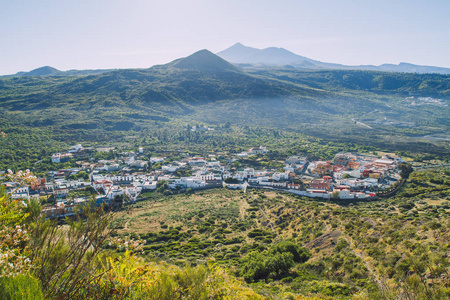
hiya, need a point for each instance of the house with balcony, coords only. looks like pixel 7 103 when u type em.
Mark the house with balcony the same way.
pixel 319 185
pixel 17 191
pixel 320 168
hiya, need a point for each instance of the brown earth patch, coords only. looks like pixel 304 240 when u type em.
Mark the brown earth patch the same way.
pixel 327 240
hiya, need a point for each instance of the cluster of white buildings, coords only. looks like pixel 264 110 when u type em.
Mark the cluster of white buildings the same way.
pixel 351 175
pixel 253 151
pixel 16 190
pixel 348 176
pixel 64 157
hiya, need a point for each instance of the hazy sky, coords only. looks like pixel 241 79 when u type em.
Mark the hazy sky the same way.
pixel 99 34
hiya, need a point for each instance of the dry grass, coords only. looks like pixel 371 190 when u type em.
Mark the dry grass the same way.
pixel 174 211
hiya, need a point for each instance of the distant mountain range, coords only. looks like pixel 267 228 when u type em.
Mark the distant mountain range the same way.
pixel 205 88
pixel 204 77
pixel 269 57
pixel 239 57
pixel 50 71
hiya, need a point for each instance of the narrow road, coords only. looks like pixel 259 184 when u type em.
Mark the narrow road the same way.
pixel 432 166
pixel 362 124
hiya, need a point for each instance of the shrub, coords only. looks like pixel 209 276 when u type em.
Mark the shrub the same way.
pixel 21 286
pixel 231 180
pixel 257 265
pixel 299 254
pixel 129 277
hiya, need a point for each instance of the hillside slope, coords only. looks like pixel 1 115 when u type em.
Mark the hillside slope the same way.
pixel 387 110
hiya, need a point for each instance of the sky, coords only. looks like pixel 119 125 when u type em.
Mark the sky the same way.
pixel 107 34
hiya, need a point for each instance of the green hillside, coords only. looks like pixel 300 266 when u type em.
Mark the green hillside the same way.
pixel 392 111
pixel 226 244
pixel 388 83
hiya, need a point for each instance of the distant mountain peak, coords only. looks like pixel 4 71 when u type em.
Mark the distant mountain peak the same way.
pixel 204 60
pixel 280 57
pixel 203 52
pixel 239 46
pixel 42 71
pixel 239 53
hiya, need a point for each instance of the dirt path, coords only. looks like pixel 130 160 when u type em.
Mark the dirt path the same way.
pixel 243 205
pixel 366 260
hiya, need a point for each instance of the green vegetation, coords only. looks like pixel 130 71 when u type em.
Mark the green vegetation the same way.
pixel 20 287
pixel 223 244
pixel 434 85
pixel 281 244
pixel 155 108
pixel 43 260
pixel 273 263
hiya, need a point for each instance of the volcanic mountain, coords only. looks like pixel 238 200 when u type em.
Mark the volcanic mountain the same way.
pixel 203 60
pixel 272 56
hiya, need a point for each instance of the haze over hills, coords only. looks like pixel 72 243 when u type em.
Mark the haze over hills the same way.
pixel 205 89
pixel 50 71
pixel 199 78
pixel 240 54
pixel 205 77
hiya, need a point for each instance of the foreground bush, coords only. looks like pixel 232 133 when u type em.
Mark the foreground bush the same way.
pixel 20 287
pixel 129 277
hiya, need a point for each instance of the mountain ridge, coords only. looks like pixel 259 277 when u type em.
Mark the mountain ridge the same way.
pixel 316 102
pixel 238 53
pixel 240 57
pixel 273 56
pixel 50 71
